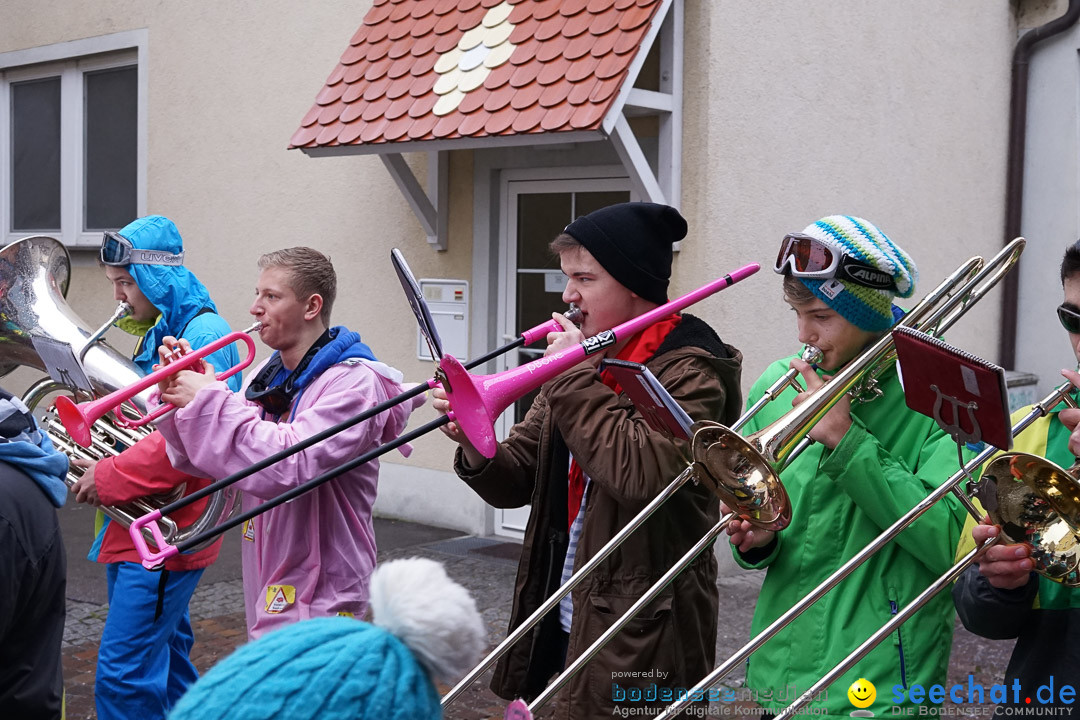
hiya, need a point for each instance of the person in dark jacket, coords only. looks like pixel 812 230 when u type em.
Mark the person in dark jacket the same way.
pixel 587 462
pixel 33 567
pixel 1001 596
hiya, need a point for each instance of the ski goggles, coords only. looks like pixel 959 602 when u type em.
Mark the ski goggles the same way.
pixel 807 257
pixel 118 250
pixel 1069 318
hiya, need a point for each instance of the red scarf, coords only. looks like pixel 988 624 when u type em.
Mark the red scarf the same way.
pixel 640 348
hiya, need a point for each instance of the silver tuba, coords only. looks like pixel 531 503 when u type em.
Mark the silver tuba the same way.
pixel 34 277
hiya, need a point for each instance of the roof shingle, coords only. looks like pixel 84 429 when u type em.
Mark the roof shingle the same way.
pixel 427 69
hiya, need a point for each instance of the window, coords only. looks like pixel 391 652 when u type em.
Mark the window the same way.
pixel 70 139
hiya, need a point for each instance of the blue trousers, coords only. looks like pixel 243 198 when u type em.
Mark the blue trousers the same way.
pixel 143 665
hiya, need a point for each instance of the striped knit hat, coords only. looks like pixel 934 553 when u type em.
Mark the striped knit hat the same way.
pixel 864 307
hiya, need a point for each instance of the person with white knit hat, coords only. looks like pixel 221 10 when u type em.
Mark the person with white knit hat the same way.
pixel 425 627
pixel 872 462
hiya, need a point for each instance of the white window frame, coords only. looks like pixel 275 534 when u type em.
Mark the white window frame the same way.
pixel 511 522
pixel 69 61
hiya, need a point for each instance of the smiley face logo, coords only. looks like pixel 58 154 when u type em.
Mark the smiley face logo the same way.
pixel 862 693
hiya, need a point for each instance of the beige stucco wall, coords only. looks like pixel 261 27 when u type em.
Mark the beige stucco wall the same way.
pixel 892 111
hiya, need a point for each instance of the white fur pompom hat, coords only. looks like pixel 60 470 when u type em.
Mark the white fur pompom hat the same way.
pixel 425 626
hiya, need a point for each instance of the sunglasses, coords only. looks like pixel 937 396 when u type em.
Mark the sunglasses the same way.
pixel 1069 318
pixel 118 251
pixel 807 257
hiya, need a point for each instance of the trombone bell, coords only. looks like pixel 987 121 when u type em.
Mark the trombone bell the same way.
pixel 1036 502
pixel 733 469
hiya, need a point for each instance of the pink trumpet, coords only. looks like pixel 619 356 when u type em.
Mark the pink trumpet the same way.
pixel 478 399
pixel 78 418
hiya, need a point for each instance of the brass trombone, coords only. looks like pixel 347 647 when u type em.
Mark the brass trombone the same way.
pixel 1040 409
pixel 1034 501
pixel 937 321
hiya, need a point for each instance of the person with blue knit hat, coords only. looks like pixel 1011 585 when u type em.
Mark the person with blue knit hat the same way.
pixel 425 627
pixel 873 460
pixel 143 661
pixel 313 556
pixel 33 567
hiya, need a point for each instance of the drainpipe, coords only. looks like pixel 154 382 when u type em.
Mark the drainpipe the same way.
pixel 1014 180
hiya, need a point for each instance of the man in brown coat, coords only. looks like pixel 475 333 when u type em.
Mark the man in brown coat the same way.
pixel 587 462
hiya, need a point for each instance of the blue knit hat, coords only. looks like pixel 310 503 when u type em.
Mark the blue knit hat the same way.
pixel 335 668
pixel 864 307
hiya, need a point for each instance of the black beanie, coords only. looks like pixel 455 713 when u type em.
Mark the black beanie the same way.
pixel 632 241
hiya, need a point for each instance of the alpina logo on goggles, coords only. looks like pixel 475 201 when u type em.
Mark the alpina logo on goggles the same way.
pixel 807 257
pixel 1069 318
pixel 118 250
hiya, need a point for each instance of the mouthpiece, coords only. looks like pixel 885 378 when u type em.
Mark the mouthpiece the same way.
pixel 812 355
pixel 574 314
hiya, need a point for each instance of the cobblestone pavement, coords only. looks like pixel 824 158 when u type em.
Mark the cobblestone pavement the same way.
pixel 486 567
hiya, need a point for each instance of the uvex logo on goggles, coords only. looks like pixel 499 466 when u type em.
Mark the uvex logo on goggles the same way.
pixel 118 250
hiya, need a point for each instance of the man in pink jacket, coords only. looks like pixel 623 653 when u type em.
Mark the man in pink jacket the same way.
pixel 313 556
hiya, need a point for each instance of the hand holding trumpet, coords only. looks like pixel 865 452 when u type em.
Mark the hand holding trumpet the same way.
pixel 180 387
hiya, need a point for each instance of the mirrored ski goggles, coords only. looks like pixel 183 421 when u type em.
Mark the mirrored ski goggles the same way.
pixel 118 250
pixel 807 257
pixel 1069 318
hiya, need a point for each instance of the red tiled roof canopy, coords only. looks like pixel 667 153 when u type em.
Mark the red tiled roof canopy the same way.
pixel 443 69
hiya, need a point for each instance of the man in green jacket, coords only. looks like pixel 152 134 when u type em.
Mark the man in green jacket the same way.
pixel 1003 597
pixel 871 462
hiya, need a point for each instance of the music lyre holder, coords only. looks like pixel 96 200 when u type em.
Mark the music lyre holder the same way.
pixel 965 395
pixel 419 306
pixel 61 363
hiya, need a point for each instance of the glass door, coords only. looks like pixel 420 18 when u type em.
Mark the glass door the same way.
pixel 531 283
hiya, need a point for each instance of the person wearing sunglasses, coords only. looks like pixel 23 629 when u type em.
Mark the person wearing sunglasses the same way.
pixel 312 556
pixel 1001 596
pixel 872 461
pixel 143 662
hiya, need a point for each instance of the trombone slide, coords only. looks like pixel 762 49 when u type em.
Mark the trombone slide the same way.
pixel 548 367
